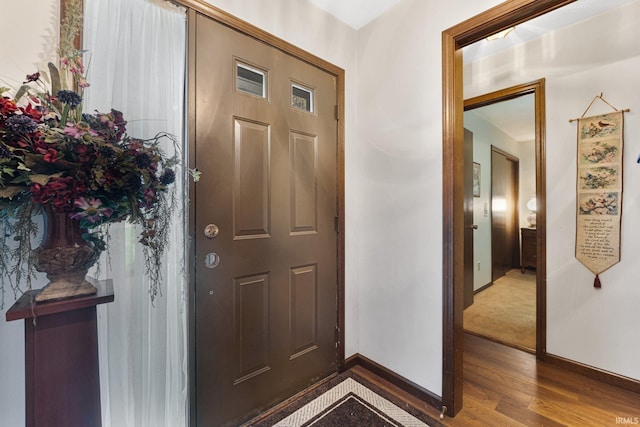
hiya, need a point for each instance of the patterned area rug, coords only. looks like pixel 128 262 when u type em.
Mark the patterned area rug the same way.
pixel 348 401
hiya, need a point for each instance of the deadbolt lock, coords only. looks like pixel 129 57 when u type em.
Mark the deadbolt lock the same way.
pixel 211 260
pixel 211 231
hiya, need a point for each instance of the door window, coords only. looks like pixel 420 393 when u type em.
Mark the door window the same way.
pixel 251 80
pixel 301 98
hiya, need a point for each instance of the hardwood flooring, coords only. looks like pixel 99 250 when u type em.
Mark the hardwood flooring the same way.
pixel 508 387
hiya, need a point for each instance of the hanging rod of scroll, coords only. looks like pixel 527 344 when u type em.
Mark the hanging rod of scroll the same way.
pixel 626 110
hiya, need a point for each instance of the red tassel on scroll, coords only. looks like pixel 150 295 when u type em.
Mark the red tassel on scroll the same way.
pixel 596 282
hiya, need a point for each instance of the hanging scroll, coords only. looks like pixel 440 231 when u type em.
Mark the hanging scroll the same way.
pixel 599 192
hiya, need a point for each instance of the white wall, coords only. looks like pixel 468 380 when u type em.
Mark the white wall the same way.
pixel 587 325
pixel 399 146
pixel 23 50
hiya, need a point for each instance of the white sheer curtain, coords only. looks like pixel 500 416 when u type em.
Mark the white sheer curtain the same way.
pixel 136 57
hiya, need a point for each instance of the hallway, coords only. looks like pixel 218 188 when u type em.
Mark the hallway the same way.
pixel 508 387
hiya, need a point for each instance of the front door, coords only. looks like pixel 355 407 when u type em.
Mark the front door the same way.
pixel 265 215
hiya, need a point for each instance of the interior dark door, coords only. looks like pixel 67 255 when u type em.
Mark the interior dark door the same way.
pixel 505 242
pixel 266 275
pixel 468 218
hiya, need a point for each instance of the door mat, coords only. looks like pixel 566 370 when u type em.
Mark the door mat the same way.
pixel 348 400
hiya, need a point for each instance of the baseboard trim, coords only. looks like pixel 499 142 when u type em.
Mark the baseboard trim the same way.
pixel 482 288
pixel 606 377
pixel 395 379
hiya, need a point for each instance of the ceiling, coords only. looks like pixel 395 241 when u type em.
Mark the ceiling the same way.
pixel 358 13
pixel 553 21
pixel 355 13
pixel 513 117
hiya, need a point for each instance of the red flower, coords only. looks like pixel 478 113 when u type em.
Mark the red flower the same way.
pixel 51 155
pixel 41 193
pixel 7 106
pixel 39 145
pixel 58 184
pixel 61 192
pixel 31 112
pixel 82 150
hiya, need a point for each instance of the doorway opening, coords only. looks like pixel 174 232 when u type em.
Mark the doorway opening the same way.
pixel 454 39
pixel 504 282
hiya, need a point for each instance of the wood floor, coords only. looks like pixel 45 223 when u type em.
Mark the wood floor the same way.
pixel 508 387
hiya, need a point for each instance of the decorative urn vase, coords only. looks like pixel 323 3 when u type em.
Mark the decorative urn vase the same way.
pixel 65 257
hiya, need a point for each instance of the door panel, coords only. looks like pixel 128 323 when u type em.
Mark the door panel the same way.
pixel 251 324
pixel 304 303
pixel 251 178
pixel 505 252
pixel 266 315
pixel 304 183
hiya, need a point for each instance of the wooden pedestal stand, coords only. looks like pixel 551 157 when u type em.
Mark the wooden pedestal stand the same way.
pixel 61 358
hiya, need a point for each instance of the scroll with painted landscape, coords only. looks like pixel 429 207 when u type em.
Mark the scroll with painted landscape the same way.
pixel 599 192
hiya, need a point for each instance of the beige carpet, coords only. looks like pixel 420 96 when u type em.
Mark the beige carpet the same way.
pixel 506 311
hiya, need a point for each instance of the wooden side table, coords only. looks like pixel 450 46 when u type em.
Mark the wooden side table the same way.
pixel 528 254
pixel 61 358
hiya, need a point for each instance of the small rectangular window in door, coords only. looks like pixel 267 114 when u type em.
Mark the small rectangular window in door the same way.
pixel 251 80
pixel 301 98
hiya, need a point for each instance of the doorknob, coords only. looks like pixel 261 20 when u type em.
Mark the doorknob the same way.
pixel 211 231
pixel 474 226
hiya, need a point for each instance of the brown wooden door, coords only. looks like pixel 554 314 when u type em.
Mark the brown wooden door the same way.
pixel 468 218
pixel 266 285
pixel 505 247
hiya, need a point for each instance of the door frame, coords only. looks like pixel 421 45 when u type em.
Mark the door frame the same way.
pixel 193 8
pixel 496 19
